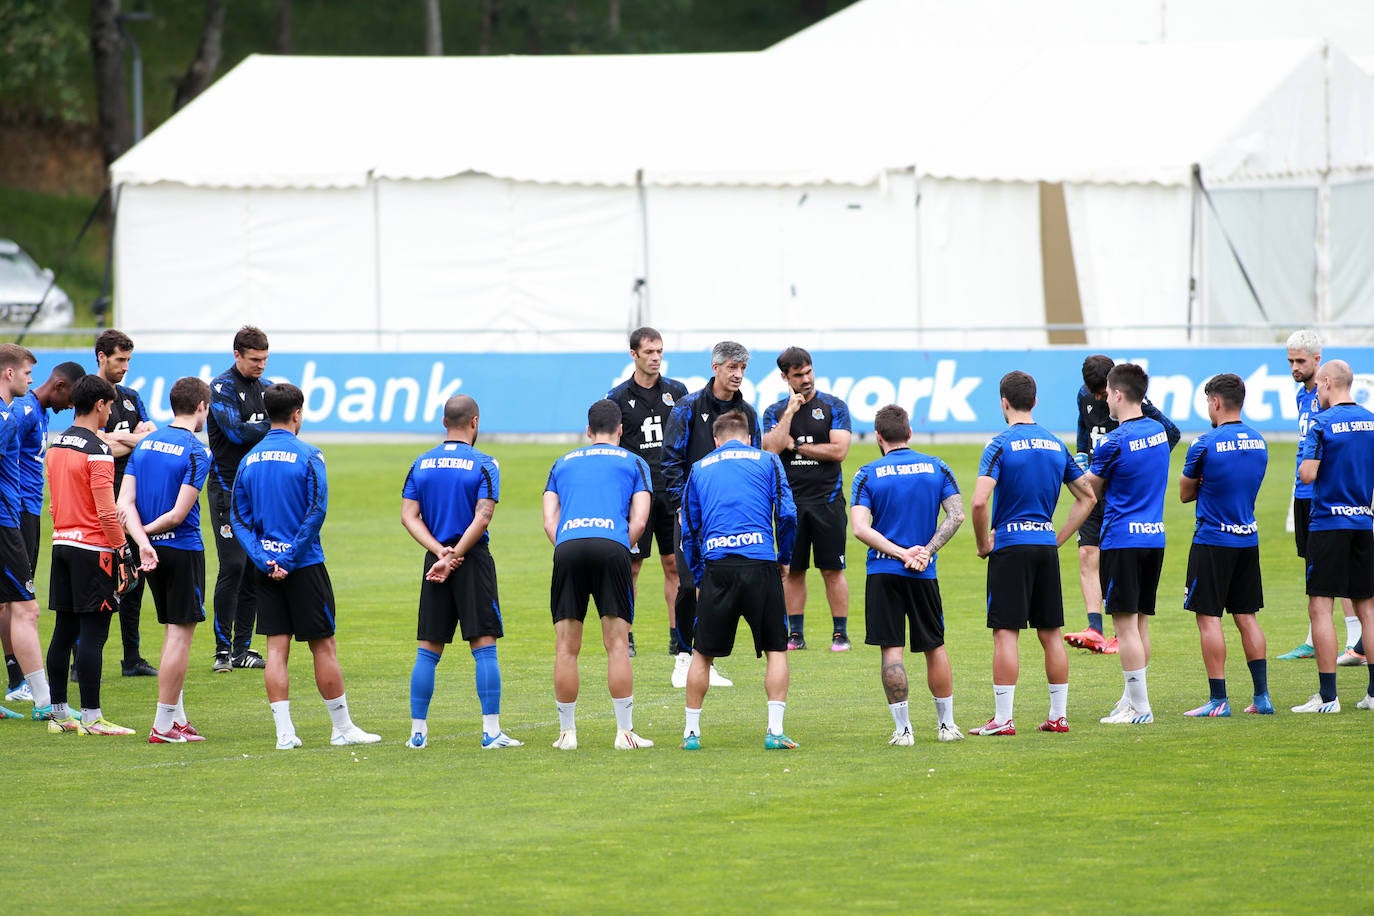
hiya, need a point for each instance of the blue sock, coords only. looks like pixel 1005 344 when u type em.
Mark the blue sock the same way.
pixel 841 625
pixel 1217 687
pixel 795 622
pixel 1328 685
pixel 1370 691
pixel 1095 622
pixel 488 676
pixel 422 683
pixel 1359 644
pixel 1259 673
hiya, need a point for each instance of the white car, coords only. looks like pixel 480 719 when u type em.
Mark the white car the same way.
pixel 25 288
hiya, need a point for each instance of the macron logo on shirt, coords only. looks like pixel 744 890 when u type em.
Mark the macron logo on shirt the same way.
pixel 575 523
pixel 734 540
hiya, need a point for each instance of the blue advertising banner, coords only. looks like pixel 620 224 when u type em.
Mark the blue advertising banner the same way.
pixel 948 391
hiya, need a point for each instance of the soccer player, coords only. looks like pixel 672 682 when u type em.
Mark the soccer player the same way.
pixel 1129 473
pixel 88 544
pixel 279 502
pixel 1026 465
pixel 20 605
pixel 447 503
pixel 738 524
pixel 1338 460
pixel 596 504
pixel 126 427
pixel 689 437
pixel 895 510
pixel 810 430
pixel 1094 422
pixel 1223 472
pixel 32 412
pixel 159 504
pixel 646 398
pixel 238 421
pixel 1304 356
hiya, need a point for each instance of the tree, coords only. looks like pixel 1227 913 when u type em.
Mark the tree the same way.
pixel 282 45
pixel 38 45
pixel 434 29
pixel 490 19
pixel 112 102
pixel 201 73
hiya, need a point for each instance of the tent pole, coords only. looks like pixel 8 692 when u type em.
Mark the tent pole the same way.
pixel 1323 240
pixel 377 259
pixel 641 287
pixel 1193 259
pixel 916 259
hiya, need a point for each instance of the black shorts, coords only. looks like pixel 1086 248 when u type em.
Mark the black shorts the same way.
pixel 29 530
pixel 591 568
pixel 16 579
pixel 301 605
pixel 178 586
pixel 1223 578
pixel 82 580
pixel 1090 532
pixel 465 602
pixel 1129 577
pixel 893 602
pixel 659 528
pixel 820 531
pixel 735 589
pixel 1340 564
pixel 1024 588
pixel 1302 517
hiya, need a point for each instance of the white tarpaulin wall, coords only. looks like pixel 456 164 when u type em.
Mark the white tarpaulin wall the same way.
pixel 517 203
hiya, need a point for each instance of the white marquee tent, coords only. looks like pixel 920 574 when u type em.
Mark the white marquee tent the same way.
pixel 870 201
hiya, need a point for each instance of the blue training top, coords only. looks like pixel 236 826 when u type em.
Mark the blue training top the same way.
pixel 1030 464
pixel 1341 437
pixel 595 484
pixel 1133 460
pixel 737 497
pixel 904 490
pixel 1308 407
pixel 164 461
pixel 33 443
pixel 447 481
pixel 11 490
pixel 1230 462
pixel 280 498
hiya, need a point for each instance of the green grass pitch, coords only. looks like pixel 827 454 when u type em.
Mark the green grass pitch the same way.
pixel 1244 814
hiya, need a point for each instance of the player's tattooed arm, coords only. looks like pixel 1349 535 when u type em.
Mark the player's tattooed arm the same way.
pixel 954 517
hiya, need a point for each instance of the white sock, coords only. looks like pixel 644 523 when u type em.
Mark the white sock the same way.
pixel 166 715
pixel 1004 698
pixel 491 725
pixel 179 711
pixel 901 715
pixel 338 712
pixel 567 716
pixel 693 726
pixel 61 710
pixel 1352 631
pixel 944 710
pixel 1308 640
pixel 419 725
pixel 624 712
pixel 281 715
pixel 775 711
pixel 1136 693
pixel 91 715
pixel 1059 700
pixel 38 685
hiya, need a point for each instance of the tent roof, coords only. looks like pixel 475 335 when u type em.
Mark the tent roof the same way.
pixel 1086 113
pixel 908 24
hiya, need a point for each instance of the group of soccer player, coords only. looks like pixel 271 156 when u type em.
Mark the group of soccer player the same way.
pixel 738 510
pixel 124 499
